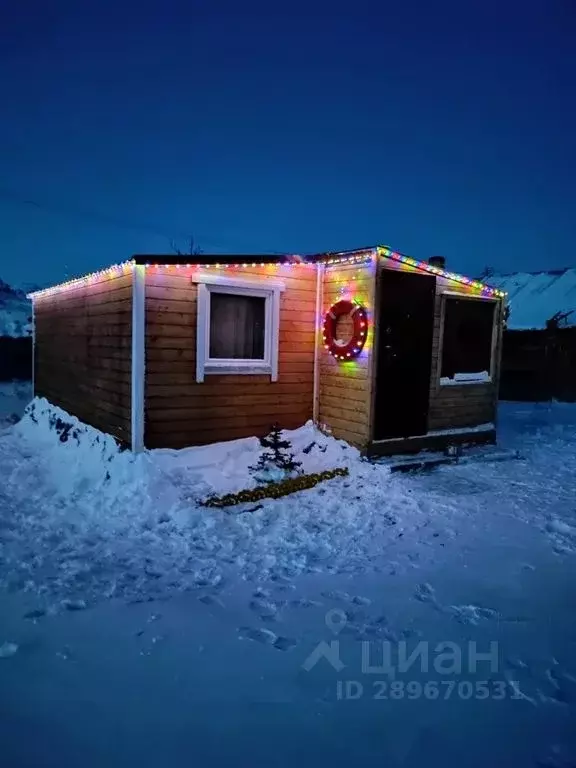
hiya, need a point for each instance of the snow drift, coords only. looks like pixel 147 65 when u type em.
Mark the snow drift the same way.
pixel 88 518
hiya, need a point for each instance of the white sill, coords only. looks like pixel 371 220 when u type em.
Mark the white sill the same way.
pixel 454 383
pixel 254 368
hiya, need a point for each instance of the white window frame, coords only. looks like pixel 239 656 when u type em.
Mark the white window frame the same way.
pixel 265 288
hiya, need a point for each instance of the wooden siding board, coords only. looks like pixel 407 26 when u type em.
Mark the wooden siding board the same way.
pixel 180 411
pixel 83 338
pixel 345 389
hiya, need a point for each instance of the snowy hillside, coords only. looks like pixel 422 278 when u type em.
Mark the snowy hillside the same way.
pixel 15 311
pixel 536 297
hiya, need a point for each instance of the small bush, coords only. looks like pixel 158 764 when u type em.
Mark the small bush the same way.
pixel 276 462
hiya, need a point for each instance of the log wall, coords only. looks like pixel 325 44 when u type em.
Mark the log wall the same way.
pixel 181 412
pixel 83 338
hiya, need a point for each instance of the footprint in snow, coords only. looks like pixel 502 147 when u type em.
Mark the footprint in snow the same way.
pixel 280 579
pixel 336 594
pixel 425 594
pixel 211 600
pixel 304 602
pixel 264 636
pixel 267 637
pixel 344 597
pixel 285 643
pixel 515 663
pixel 359 600
pixel 470 614
pixel 268 610
pixel 37 613
pixel 563 685
pixel 74 605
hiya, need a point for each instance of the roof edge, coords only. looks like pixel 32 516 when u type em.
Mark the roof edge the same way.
pixel 326 257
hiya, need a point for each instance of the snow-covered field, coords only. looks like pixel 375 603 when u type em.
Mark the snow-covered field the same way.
pixel 141 628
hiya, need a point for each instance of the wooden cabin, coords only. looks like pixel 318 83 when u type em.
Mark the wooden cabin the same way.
pixel 388 353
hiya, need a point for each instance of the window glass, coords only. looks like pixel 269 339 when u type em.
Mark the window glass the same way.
pixel 467 343
pixel 237 326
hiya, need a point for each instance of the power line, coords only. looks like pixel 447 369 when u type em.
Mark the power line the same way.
pixel 13 197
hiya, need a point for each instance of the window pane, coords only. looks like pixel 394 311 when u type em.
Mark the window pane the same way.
pixel 236 326
pixel 467 343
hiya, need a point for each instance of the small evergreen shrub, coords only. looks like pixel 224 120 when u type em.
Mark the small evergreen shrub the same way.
pixel 276 462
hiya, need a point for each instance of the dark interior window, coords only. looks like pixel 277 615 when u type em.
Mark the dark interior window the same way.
pixel 467 343
pixel 236 326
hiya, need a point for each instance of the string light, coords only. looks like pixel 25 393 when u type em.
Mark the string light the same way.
pixel 77 282
pixel 453 277
pixel 355 258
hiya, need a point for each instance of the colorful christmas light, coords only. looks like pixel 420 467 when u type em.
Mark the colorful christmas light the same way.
pixel 345 258
pixel 430 268
pixel 112 271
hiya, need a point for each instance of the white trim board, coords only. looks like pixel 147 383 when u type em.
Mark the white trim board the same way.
pixel 463 295
pixel 320 269
pixel 265 283
pixel 33 348
pixel 138 356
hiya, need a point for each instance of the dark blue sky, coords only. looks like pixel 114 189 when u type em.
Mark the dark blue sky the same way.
pixel 434 126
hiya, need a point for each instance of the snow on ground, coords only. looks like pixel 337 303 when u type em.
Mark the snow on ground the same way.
pixel 106 507
pixel 139 627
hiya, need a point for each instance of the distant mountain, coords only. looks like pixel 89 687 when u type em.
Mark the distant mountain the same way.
pixel 15 311
pixel 29 287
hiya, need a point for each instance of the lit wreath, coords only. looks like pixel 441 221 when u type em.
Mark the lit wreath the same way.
pixel 345 350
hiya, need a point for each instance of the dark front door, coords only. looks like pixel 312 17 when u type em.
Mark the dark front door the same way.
pixel 404 354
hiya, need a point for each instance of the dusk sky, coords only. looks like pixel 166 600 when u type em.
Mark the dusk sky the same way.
pixel 436 127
